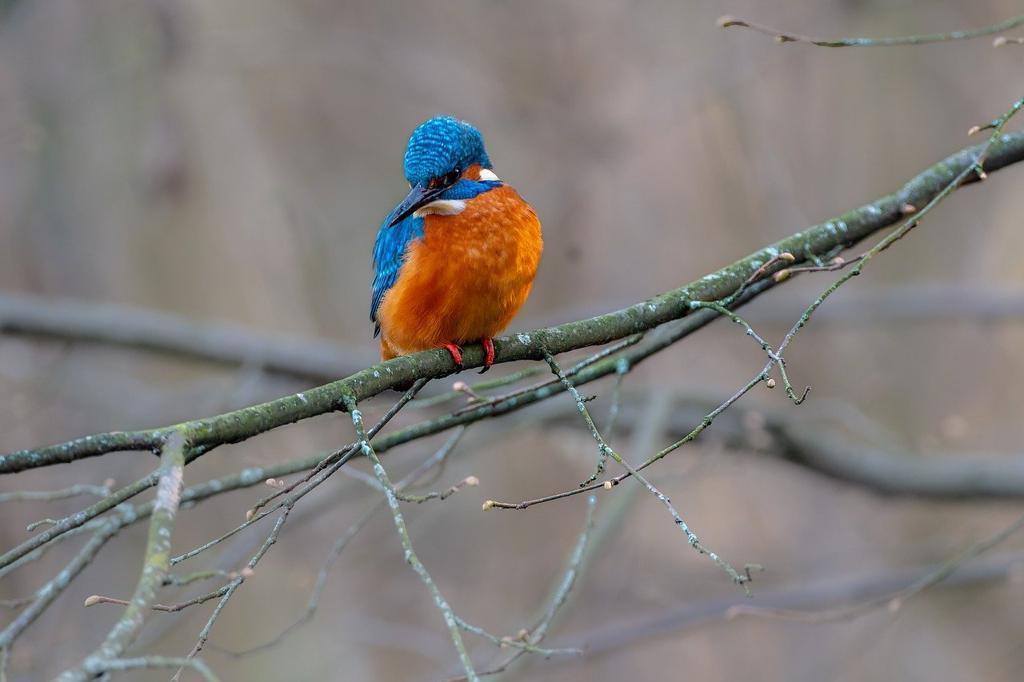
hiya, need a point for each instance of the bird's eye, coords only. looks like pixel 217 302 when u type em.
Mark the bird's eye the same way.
pixel 446 180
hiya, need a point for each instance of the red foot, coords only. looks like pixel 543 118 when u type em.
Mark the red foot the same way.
pixel 488 353
pixel 456 354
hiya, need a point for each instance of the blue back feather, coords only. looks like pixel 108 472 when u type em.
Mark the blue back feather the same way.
pixel 388 256
pixel 436 147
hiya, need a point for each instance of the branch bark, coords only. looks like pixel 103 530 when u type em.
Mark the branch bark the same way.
pixel 156 563
pixel 807 245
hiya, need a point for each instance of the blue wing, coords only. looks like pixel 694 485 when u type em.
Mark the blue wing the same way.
pixel 388 257
pixel 389 250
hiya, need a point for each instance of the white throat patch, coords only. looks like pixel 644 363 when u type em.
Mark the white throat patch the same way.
pixel 441 207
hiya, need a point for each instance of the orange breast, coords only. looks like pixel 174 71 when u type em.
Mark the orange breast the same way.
pixel 466 278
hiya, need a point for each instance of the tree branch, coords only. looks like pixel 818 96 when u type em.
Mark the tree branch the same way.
pixel 944 477
pixel 809 443
pixel 821 595
pixel 155 565
pixel 806 246
pixel 450 619
pixel 139 328
pixel 606 451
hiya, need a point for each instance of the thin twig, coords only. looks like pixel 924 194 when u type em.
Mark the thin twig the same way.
pixel 435 460
pixel 45 595
pixel 77 519
pixel 321 582
pixel 186 580
pixel 410 554
pixel 707 420
pixel 37 554
pixel 287 505
pixel 775 357
pixel 768 268
pixel 345 453
pixel 180 606
pixel 621 369
pixel 155 663
pixel 319 474
pixel 478 387
pixel 787 37
pixel 50 495
pixel 697 613
pixel 892 601
pixel 229 590
pixel 975 170
pixel 514 642
pixel 15 603
pixel 691 537
pixel 561 594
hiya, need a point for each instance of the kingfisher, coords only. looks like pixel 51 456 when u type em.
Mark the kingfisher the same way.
pixel 455 260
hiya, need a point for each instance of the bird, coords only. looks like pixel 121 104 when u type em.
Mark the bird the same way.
pixel 455 260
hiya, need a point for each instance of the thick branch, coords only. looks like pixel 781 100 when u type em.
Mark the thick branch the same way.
pixel 891 472
pixel 121 325
pixel 946 477
pixel 807 245
pixel 821 595
pixel 156 563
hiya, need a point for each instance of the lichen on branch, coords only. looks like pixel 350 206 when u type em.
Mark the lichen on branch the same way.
pixel 808 245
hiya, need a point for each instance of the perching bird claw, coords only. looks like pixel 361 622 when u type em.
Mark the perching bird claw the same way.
pixel 488 344
pixel 456 354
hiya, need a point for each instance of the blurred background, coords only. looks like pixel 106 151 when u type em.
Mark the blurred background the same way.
pixel 229 161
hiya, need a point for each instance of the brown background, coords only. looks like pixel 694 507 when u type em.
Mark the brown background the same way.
pixel 230 160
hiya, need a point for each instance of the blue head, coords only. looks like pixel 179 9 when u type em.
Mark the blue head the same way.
pixel 440 146
pixel 439 150
pixel 438 153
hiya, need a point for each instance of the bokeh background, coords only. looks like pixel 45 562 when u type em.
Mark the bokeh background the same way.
pixel 230 160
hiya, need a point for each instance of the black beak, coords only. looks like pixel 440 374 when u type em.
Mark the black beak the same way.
pixel 418 197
